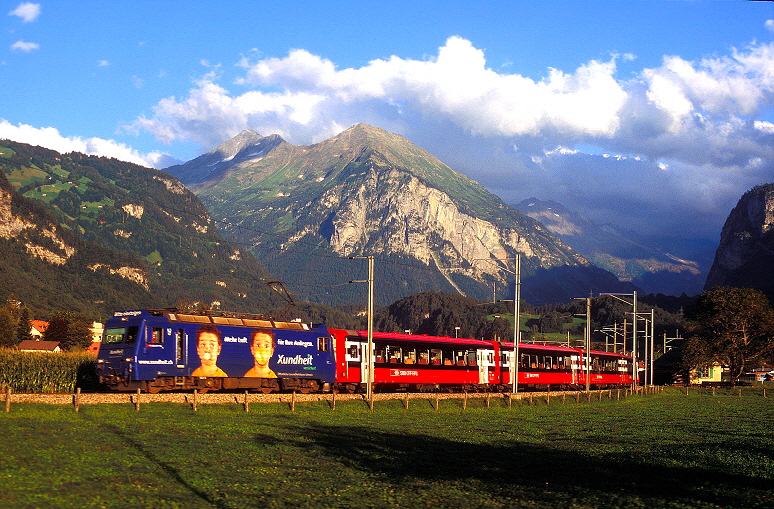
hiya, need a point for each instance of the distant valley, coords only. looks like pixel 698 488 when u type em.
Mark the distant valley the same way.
pixel 670 266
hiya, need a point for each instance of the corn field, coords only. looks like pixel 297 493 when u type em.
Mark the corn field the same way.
pixel 46 372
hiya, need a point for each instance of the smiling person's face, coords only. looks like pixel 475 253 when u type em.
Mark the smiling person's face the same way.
pixel 208 348
pixel 262 348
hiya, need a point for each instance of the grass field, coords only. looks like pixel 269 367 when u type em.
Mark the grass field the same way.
pixel 663 450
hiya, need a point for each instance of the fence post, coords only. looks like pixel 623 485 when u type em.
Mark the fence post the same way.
pixel 247 403
pixel 76 399
pixel 406 401
pixel 293 402
pixel 465 400
pixel 196 391
pixel 488 396
pixel 436 401
pixel 137 401
pixel 333 400
pixel 8 398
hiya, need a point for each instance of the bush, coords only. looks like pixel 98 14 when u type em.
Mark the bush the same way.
pixel 47 372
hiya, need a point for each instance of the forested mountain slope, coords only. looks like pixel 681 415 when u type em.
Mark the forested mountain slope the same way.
pixel 91 235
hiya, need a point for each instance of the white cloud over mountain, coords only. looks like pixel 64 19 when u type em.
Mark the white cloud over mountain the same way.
pixel 50 138
pixel 695 133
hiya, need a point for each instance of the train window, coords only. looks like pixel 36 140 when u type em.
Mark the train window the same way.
pixel 378 354
pixel 548 362
pixel 409 356
pixel 354 351
pixel 424 357
pixel 435 357
pixel 131 334
pixel 155 336
pixel 448 357
pixel 471 358
pixel 395 355
pixel 560 363
pixel 322 344
pixel 114 335
pixel 180 340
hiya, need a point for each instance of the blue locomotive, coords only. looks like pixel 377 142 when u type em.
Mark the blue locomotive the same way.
pixel 155 350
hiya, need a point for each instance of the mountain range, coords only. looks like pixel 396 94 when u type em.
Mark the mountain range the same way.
pixel 303 210
pixel 91 234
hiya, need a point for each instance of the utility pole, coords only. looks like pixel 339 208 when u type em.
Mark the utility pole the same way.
pixel 516 328
pixel 588 344
pixel 369 374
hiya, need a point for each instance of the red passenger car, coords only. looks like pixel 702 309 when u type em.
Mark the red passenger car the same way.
pixel 423 363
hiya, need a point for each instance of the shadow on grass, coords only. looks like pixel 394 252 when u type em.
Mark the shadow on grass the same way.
pixel 516 469
pixel 171 471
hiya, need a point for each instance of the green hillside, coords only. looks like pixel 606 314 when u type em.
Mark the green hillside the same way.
pixel 116 215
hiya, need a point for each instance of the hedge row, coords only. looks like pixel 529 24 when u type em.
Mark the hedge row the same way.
pixel 47 372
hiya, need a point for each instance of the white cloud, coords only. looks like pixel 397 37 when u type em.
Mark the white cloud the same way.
pixel 50 138
pixel 24 46
pixel 27 11
pixel 701 120
pixel 770 24
pixel 103 63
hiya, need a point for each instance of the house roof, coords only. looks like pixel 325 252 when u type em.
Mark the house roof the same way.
pixel 46 346
pixel 39 325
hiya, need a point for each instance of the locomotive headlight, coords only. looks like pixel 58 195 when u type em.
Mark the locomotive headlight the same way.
pixel 128 359
pixel 100 361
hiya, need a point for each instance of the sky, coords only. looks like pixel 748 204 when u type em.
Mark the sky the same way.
pixel 655 116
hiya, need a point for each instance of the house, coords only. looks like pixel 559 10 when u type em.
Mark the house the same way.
pixel 709 374
pixel 32 345
pixel 37 328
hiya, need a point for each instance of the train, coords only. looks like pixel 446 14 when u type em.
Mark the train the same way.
pixel 166 350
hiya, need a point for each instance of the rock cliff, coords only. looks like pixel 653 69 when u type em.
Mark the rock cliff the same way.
pixel 745 256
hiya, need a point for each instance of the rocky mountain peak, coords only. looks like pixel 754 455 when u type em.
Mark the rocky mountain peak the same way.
pixel 370 191
pixel 230 148
pixel 745 256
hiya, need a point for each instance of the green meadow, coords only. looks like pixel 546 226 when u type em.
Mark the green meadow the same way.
pixel 665 450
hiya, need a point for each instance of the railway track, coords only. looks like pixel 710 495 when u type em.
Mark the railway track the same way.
pixel 87 398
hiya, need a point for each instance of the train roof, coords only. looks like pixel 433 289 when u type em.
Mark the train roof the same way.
pixel 217 318
pixel 418 338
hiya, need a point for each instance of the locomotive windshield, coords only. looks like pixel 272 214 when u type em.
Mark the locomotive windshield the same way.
pixel 115 335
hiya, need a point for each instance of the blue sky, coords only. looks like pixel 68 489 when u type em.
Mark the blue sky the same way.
pixel 654 115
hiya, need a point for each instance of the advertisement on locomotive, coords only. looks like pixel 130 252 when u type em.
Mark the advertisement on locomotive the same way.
pixel 263 353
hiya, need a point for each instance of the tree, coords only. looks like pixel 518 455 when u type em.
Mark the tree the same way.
pixel 733 326
pixel 7 328
pixel 79 336
pixel 57 330
pixel 23 327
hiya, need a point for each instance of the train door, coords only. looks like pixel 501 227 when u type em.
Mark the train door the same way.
pixel 485 359
pixel 576 368
pixel 355 357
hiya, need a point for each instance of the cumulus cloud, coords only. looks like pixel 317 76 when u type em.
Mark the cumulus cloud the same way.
pixel 27 11
pixel 24 46
pixel 50 138
pixel 677 122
